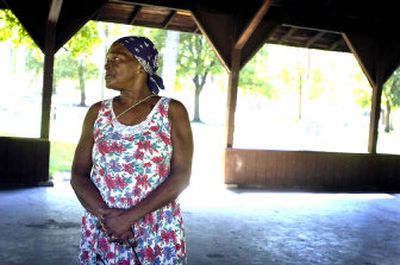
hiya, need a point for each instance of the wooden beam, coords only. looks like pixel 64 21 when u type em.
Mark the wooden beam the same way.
pixel 365 50
pixel 375 111
pixel 134 14
pixel 50 50
pixel 336 44
pixel 257 40
pixel 219 30
pixel 253 24
pixel 232 97
pixel 196 30
pixel 54 12
pixel 289 33
pixel 315 38
pixel 168 19
pixel 173 4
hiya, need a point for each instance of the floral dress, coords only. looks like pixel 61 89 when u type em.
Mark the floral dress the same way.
pixel 129 162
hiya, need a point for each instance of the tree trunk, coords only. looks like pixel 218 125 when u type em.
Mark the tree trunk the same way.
pixel 196 117
pixel 387 118
pixel 82 84
pixel 300 96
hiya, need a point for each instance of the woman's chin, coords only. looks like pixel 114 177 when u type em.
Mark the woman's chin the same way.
pixel 112 86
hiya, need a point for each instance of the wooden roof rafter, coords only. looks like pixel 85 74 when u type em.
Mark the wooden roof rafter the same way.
pixel 168 19
pixel 134 15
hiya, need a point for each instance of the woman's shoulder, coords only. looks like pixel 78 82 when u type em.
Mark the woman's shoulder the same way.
pixel 177 108
pixel 96 107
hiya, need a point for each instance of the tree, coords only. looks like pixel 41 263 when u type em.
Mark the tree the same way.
pixel 391 97
pixel 79 48
pixel 197 61
pixel 253 77
pixel 75 64
pixel 11 29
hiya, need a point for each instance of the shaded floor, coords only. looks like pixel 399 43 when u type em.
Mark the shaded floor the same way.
pixel 41 226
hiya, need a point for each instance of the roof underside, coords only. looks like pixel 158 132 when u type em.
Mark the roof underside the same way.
pixel 366 29
pixel 176 17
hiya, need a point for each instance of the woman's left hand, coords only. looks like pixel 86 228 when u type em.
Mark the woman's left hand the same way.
pixel 116 224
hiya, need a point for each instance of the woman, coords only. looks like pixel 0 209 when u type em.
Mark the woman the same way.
pixel 132 161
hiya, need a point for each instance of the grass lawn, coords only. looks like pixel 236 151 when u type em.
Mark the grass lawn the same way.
pixel 61 155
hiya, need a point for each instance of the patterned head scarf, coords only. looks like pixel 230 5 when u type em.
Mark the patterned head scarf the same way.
pixel 144 51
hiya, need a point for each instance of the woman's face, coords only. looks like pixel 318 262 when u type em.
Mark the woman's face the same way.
pixel 121 68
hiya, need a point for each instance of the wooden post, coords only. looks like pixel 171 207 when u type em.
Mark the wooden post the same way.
pixel 50 49
pixel 375 107
pixel 47 82
pixel 232 96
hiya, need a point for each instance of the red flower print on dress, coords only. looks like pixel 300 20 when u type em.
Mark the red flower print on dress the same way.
pixel 158 250
pixel 167 236
pixel 149 254
pixel 104 244
pixel 155 128
pixel 177 212
pixel 120 182
pixel 107 114
pixel 142 180
pixel 149 219
pixel 138 155
pixel 144 145
pixel 110 255
pixel 110 182
pixel 162 170
pixel 162 111
pixel 157 159
pixel 177 247
pixel 103 147
pixel 165 138
pixel 128 168
pixel 117 148
pixel 85 255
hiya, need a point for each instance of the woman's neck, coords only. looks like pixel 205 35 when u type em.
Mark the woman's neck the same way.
pixel 130 97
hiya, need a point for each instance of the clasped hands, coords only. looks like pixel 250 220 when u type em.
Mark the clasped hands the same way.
pixel 114 222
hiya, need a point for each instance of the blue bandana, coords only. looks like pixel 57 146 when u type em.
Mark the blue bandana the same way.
pixel 144 51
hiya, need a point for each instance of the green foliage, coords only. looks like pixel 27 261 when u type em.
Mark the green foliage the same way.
pixel 11 29
pixel 91 71
pixel 195 57
pixel 83 43
pixel 362 94
pixel 253 77
pixel 391 90
pixel 316 84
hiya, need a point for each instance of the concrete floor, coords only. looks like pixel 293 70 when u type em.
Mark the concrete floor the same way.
pixel 40 226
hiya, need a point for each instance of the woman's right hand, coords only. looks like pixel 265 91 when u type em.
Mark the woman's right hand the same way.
pixel 112 221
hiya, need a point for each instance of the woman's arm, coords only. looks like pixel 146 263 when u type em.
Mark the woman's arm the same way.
pixel 175 183
pixel 85 190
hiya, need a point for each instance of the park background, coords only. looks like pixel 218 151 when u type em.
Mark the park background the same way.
pixel 288 98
